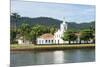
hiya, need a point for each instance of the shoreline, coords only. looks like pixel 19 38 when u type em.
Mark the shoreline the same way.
pixel 49 47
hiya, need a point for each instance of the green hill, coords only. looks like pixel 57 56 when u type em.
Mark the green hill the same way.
pixel 16 22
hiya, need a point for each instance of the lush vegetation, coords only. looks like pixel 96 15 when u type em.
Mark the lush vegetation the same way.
pixel 31 28
pixel 85 35
pixel 69 36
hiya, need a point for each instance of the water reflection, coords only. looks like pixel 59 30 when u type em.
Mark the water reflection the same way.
pixel 44 57
pixel 49 57
pixel 58 56
pixel 79 55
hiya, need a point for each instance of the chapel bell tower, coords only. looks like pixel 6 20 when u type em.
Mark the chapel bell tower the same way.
pixel 63 26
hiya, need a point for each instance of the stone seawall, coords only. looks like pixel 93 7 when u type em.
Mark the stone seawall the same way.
pixel 49 47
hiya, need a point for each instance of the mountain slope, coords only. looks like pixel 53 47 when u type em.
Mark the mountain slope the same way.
pixel 49 22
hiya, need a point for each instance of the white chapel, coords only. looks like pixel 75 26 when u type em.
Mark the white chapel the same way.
pixel 56 38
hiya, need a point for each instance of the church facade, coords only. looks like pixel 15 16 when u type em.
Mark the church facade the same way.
pixel 56 38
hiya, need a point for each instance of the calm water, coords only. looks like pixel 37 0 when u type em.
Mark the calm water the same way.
pixel 51 57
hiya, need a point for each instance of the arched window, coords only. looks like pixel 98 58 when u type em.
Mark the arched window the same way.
pixel 52 41
pixel 45 41
pixel 49 41
pixel 58 41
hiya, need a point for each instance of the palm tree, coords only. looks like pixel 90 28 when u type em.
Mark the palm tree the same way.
pixel 15 17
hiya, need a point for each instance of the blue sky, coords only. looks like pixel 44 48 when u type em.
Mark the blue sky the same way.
pixel 72 12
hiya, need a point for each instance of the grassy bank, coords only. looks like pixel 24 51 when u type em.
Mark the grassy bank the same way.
pixel 16 47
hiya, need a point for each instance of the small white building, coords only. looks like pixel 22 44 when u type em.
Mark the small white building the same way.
pixel 21 41
pixel 54 39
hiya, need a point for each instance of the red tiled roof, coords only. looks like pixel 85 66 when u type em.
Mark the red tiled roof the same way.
pixel 47 36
